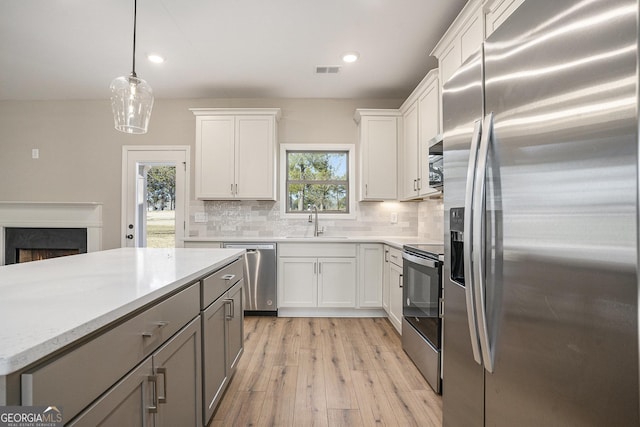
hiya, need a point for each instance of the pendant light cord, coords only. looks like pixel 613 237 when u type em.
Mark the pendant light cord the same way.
pixel 135 7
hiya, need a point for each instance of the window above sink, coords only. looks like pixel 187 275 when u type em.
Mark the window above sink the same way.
pixel 320 175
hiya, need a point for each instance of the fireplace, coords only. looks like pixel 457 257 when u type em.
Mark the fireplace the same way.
pixel 48 229
pixel 24 244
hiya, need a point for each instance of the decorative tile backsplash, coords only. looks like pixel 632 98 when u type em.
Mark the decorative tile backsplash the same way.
pixel 265 219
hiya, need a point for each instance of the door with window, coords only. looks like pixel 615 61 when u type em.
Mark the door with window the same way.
pixel 154 196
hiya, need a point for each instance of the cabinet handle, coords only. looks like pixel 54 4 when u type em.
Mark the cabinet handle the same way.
pixel 386 256
pixel 319 268
pixel 163 372
pixel 231 189
pixel 400 280
pixel 419 184
pixel 159 325
pixel 315 268
pixel 228 276
pixel 154 394
pixel 415 185
pixel 236 189
pixel 366 189
pixel 231 313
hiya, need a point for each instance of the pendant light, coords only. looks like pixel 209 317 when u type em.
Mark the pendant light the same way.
pixel 131 97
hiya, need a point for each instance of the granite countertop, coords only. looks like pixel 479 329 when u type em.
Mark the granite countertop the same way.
pixel 46 305
pixel 395 241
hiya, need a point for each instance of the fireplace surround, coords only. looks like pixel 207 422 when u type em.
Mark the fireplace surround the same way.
pixel 51 215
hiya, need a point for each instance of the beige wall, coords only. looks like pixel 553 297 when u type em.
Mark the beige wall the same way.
pixel 80 151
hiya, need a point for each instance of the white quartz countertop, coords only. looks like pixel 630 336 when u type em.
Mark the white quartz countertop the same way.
pixel 46 305
pixel 395 241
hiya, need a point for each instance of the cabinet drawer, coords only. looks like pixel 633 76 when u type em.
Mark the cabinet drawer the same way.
pixel 395 256
pixel 317 250
pixel 218 283
pixel 74 379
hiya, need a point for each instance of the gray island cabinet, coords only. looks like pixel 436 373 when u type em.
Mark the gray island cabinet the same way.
pixel 154 340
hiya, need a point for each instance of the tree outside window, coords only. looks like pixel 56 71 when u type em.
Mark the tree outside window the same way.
pixel 319 178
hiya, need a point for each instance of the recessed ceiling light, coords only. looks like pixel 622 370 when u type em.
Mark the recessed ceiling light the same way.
pixel 350 57
pixel 155 58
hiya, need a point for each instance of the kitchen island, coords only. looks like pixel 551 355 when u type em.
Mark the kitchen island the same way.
pixel 114 307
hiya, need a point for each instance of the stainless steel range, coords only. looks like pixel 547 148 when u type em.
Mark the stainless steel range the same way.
pixel 422 320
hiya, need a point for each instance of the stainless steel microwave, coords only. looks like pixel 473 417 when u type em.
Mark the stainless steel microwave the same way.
pixel 436 169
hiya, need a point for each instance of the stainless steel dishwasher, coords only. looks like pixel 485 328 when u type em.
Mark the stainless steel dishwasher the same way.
pixel 260 278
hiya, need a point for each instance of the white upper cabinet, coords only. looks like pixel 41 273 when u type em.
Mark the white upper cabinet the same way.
pixel 462 39
pixel 236 153
pixel 378 133
pixel 421 124
pixel 497 11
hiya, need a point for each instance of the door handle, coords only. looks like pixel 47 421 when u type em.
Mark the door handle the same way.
pixel 478 241
pixel 468 243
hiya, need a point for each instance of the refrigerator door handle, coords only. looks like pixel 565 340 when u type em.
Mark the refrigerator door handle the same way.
pixel 468 242
pixel 478 241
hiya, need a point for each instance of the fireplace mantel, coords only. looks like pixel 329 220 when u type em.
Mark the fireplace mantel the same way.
pixel 54 215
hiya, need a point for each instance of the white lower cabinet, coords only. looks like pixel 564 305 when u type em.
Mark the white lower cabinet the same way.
pixel 370 279
pixel 297 282
pixel 316 282
pixel 322 275
pixel 336 282
pixel 165 389
pixel 395 288
pixel 385 280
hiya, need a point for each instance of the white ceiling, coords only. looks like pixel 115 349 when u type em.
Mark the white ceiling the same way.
pixel 72 49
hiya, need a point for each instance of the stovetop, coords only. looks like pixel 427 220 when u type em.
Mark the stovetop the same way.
pixel 427 250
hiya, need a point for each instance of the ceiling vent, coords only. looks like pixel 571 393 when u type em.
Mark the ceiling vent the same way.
pixel 327 69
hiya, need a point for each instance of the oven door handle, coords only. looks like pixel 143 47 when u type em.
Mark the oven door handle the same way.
pixel 421 261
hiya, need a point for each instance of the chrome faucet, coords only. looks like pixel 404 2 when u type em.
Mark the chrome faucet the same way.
pixel 316 230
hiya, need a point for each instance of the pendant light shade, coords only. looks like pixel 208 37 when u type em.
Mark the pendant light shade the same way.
pixel 131 97
pixel 131 102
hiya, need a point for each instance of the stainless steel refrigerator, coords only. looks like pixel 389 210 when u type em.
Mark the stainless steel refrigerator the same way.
pixel 541 214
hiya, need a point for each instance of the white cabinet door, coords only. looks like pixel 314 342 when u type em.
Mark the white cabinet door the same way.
pixel 386 280
pixel 371 262
pixel 337 282
pixel 498 11
pixel 410 152
pixel 215 157
pixel 471 36
pixel 297 282
pixel 395 296
pixel 449 61
pixel 255 157
pixel 236 153
pixel 429 127
pixel 378 150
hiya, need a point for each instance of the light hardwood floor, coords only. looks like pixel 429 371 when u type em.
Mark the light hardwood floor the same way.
pixel 326 372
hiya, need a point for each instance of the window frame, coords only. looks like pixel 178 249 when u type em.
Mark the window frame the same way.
pixel 351 177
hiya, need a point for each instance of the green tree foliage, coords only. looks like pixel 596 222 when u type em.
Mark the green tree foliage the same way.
pixel 317 178
pixel 161 187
